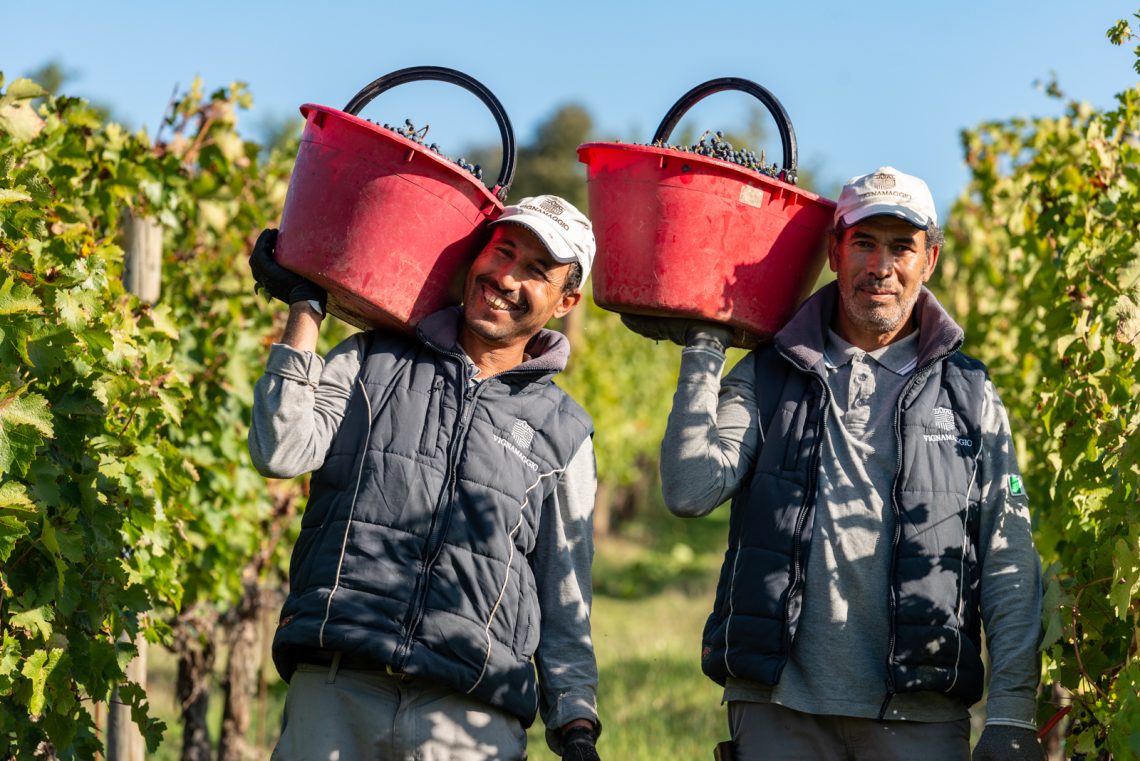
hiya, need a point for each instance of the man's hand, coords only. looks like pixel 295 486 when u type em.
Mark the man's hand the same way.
pixel 578 744
pixel 277 281
pixel 1000 742
pixel 679 330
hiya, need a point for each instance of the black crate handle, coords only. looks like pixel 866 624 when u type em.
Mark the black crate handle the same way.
pixel 451 76
pixel 702 91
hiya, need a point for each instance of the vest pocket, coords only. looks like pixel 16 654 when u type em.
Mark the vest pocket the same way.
pixel 795 439
pixel 430 435
pixel 301 563
pixel 524 627
pixel 526 624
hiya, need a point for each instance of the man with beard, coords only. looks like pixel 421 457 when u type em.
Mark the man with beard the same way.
pixel 878 518
pixel 439 590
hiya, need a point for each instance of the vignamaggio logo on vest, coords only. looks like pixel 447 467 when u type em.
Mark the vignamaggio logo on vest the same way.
pixel 942 418
pixel 522 435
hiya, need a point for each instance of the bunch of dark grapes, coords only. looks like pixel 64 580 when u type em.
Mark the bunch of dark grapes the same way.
pixel 713 145
pixel 417 135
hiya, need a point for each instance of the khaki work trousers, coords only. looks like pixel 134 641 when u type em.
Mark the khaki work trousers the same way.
pixel 770 732
pixel 334 714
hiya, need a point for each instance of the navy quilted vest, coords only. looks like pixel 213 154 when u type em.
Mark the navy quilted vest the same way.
pixel 935 623
pixel 414 546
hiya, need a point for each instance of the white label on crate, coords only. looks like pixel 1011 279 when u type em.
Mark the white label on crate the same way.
pixel 752 196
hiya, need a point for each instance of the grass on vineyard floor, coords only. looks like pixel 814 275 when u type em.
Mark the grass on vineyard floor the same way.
pixel 653 589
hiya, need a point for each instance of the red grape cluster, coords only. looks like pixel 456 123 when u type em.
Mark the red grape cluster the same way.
pixel 713 145
pixel 417 135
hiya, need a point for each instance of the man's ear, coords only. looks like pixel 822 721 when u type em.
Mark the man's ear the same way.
pixel 931 261
pixel 566 303
pixel 833 252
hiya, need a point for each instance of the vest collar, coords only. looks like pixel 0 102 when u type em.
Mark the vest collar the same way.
pixel 803 339
pixel 548 350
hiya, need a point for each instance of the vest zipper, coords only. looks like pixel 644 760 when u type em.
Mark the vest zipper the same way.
pixel 441 515
pixel 809 497
pixel 892 601
pixel 892 596
pixel 797 549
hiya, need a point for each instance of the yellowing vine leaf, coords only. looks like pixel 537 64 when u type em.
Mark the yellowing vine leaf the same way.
pixel 16 297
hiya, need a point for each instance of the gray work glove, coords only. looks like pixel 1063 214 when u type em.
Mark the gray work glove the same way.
pixel 1001 742
pixel 680 330
pixel 277 281
pixel 578 744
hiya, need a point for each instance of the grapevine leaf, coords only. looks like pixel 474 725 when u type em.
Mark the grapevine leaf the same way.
pixel 18 414
pixel 12 530
pixel 163 322
pixel 17 297
pixel 1051 613
pixel 10 195
pixel 47 538
pixel 151 729
pixel 1064 342
pixel 22 89
pixel 9 655
pixel 72 308
pixel 1126 577
pixel 35 622
pixel 14 496
pixel 1118 32
pixel 37 670
pixel 20 121
pixel 27 409
pixel 45 483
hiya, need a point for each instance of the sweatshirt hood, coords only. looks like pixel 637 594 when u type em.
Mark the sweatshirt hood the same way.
pixel 803 338
pixel 547 352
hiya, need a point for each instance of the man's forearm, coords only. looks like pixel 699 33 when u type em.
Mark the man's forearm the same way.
pixel 298 405
pixel 563 554
pixel 711 436
pixel 1011 576
pixel 303 328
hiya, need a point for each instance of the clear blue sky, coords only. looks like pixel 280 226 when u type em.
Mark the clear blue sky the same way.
pixel 865 83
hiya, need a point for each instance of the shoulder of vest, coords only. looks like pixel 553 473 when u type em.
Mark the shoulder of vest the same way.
pixel 964 378
pixel 379 340
pixel 773 369
pixel 967 365
pixel 568 408
pixel 390 346
pixel 766 356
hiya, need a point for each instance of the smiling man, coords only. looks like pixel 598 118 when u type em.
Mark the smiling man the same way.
pixel 440 585
pixel 878 520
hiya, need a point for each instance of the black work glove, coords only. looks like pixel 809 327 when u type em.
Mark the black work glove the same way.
pixel 680 330
pixel 277 281
pixel 578 744
pixel 1001 742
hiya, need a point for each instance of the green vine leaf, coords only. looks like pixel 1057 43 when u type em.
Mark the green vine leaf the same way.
pixel 17 297
pixel 1126 575
pixel 35 623
pixel 38 670
pixel 18 413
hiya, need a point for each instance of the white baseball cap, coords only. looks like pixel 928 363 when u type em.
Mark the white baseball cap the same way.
pixel 565 231
pixel 886 191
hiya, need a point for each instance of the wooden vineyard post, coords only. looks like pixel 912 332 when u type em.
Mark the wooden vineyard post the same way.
pixel 142 274
pixel 124 741
pixel 142 269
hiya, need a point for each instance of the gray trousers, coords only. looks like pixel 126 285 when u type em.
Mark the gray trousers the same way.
pixel 335 714
pixel 770 732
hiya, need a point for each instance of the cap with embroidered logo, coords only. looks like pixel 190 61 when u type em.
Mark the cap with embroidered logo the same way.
pixel 886 191
pixel 565 231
